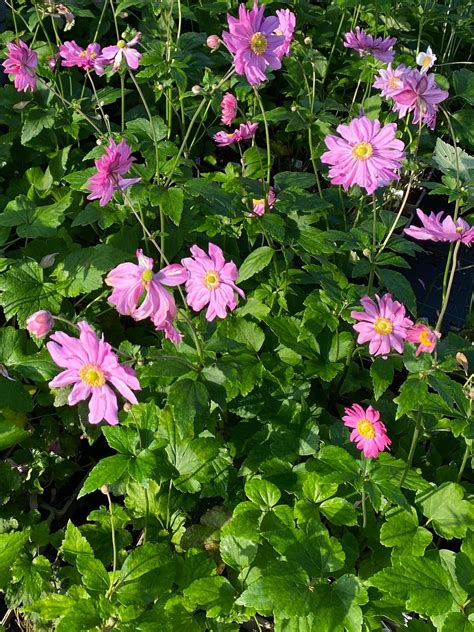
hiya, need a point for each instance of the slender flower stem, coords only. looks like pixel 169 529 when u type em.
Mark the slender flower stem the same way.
pixel 114 545
pixel 334 44
pixel 449 287
pixel 364 499
pixel 414 441
pixel 464 463
pixel 267 136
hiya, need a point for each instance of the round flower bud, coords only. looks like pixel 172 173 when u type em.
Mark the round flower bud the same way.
pixel 40 323
pixel 213 42
pixel 48 260
pixel 308 41
pixel 196 89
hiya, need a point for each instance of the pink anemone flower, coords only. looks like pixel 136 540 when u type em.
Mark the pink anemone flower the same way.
pixel 286 27
pixel 365 154
pixel 93 368
pixel 369 433
pixel 245 131
pixel 123 50
pixel 87 59
pixel 419 95
pixel 383 324
pixel 390 80
pixel 211 282
pixel 166 324
pixel 228 108
pixel 426 338
pixel 21 63
pixel 252 42
pixel 258 205
pixel 363 43
pixel 435 228
pixel 140 293
pixel 115 163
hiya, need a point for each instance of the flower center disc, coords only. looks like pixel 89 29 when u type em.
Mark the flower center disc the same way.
pixel 362 151
pixel 426 62
pixel 211 279
pixel 255 202
pixel 121 43
pixel 394 82
pixel 459 229
pixel 425 338
pixel 92 375
pixel 366 429
pixel 147 276
pixel 258 43
pixel 383 326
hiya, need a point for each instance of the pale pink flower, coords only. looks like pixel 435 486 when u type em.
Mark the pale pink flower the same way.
pixel 363 43
pixel 426 60
pixel 115 163
pixel 426 338
pixel 365 154
pixel 253 43
pixel 123 50
pixel 390 80
pixel 419 95
pixel 40 323
pixel 166 325
pixel 246 131
pixel 21 63
pixel 286 27
pixel 369 433
pixel 140 293
pixel 258 204
pixel 211 282
pixel 88 59
pixel 92 366
pixel 228 108
pixel 213 42
pixel 383 324
pixel 435 228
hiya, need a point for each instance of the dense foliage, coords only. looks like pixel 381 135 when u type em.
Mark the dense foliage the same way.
pixel 282 442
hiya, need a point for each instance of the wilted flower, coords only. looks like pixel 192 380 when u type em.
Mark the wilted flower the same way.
pixel 166 324
pixel 426 60
pixel 245 131
pixel 110 168
pixel 228 108
pixel 21 62
pixel 213 42
pixel 364 154
pixel 258 205
pixel 253 43
pixel 390 80
pixel 363 43
pixel 211 282
pixel 426 338
pixel 419 95
pixel 123 50
pixel 383 324
pixel 40 323
pixel 86 58
pixel 435 228
pixel 90 366
pixel 369 433
pixel 286 27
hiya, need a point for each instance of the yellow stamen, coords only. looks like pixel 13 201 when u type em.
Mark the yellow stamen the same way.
pixel 121 43
pixel 83 53
pixel 366 428
pixel 258 43
pixel 212 280
pixel 362 150
pixel 382 326
pixel 255 202
pixel 147 276
pixel 92 375
pixel 394 82
pixel 459 229
pixel 426 62
pixel 425 338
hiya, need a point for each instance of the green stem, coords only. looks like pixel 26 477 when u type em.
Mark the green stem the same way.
pixel 449 287
pixel 114 546
pixel 364 499
pixel 267 136
pixel 150 118
pixel 334 44
pixel 464 463
pixel 122 103
pixel 414 441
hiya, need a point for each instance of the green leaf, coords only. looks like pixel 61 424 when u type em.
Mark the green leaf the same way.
pixel 381 372
pixel 446 510
pixel 78 552
pixel 294 180
pixel 11 545
pixel 144 559
pixel 463 81
pixel 30 580
pixel 170 201
pixel 465 563
pixel 35 122
pixel 402 531
pixel 34 221
pixel 106 472
pixel 339 511
pixel 315 241
pixel 263 493
pixel 255 160
pixel 215 594
pixel 256 261
pixel 237 551
pixel 187 398
pixel 316 489
pixel 13 395
pixel 400 287
pixel 457 622
pixel 143 129
pixel 413 393
pixel 444 158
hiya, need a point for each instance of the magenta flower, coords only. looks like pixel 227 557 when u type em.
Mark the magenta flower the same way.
pixel 390 80
pixel 211 282
pixel 367 154
pixel 383 324
pixel 363 43
pixel 369 433
pixel 123 50
pixel 110 168
pixel 252 43
pixel 228 108
pixel 435 228
pixel 21 63
pixel 419 95
pixel 286 27
pixel 140 293
pixel 258 205
pixel 87 59
pixel 246 131
pixel 426 338
pixel 91 366
pixel 40 323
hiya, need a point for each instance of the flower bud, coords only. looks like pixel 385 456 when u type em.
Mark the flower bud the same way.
pixel 40 323
pixel 196 90
pixel 48 260
pixel 127 407
pixel 308 41
pixel 213 42
pixel 462 361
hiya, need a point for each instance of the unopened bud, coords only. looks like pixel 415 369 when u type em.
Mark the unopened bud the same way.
pixel 213 42
pixel 127 407
pixel 98 142
pixel 48 260
pixel 105 490
pixel 294 108
pixel 366 253
pixel 308 41
pixel 196 89
pixel 462 361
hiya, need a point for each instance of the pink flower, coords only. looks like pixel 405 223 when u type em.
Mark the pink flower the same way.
pixel 123 50
pixel 252 42
pixel 213 42
pixel 435 228
pixel 228 108
pixel 426 338
pixel 390 80
pixel 369 434
pixel 367 154
pixel 90 366
pixel 87 59
pixel 110 168
pixel 40 323
pixel 258 205
pixel 286 27
pixel 363 43
pixel 384 324
pixel 426 60
pixel 419 95
pixel 52 61
pixel 245 131
pixel 21 62
pixel 140 293
pixel 211 282
pixel 166 325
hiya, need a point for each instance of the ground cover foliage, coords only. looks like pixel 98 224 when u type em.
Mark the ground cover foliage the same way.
pixel 252 447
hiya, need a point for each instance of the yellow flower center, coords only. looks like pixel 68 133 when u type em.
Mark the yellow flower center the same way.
pixel 258 43
pixel 92 375
pixel 255 202
pixel 426 62
pixel 459 229
pixel 366 428
pixel 83 53
pixel 425 338
pixel 93 55
pixel 394 82
pixel 382 326
pixel 147 276
pixel 362 150
pixel 211 279
pixel 121 43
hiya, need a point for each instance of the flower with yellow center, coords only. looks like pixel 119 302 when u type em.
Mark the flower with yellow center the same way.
pixel 91 375
pixel 366 428
pixel 260 201
pixel 362 150
pixel 425 338
pixel 383 326
pixel 83 53
pixel 147 276
pixel 394 82
pixel 426 61
pixel 211 279
pixel 258 43
pixel 121 43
